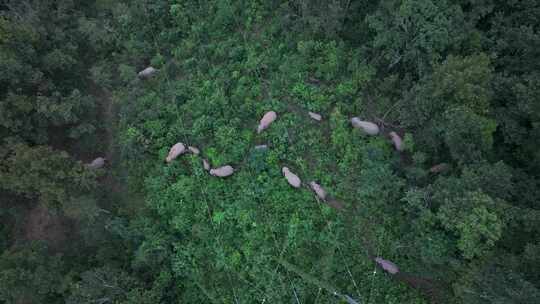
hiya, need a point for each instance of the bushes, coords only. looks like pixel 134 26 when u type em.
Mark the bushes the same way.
pixel 226 76
pixel 456 79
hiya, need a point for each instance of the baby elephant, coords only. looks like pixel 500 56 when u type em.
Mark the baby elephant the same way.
pixel 387 265
pixel 439 168
pixel 222 171
pixel 175 151
pixel 148 72
pixel 368 127
pixel 315 116
pixel 397 141
pixel 194 150
pixel 292 178
pixel 97 163
pixel 206 164
pixel 321 193
pixel 267 119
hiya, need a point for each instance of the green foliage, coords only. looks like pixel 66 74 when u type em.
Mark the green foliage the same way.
pixel 106 284
pixel 48 119
pixel 495 284
pixel 416 33
pixel 477 228
pixel 458 79
pixel 457 82
pixel 467 136
pixel 29 274
pixel 44 174
pixel 233 64
pixel 449 110
pixel 43 67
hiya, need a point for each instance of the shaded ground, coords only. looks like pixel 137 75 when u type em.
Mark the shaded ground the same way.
pixel 111 184
pixel 42 225
pixel 105 132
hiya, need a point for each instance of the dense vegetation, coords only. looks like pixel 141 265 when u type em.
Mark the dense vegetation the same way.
pixel 458 80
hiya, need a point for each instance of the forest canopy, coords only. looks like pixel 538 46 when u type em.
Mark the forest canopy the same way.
pixel 223 151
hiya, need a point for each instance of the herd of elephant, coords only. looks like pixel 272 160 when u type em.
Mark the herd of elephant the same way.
pixel 268 118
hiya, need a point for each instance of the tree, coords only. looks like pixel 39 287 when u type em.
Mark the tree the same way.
pixel 43 174
pixel 108 285
pixel 31 274
pixel 449 110
pixel 416 34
